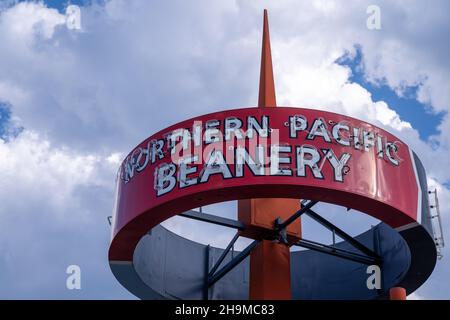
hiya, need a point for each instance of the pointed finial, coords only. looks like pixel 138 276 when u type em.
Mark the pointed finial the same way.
pixel 266 80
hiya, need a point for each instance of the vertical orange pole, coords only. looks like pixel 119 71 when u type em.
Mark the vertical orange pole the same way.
pixel 270 275
pixel 397 293
pixel 266 80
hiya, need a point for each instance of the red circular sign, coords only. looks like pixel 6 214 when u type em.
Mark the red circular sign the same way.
pixel 263 152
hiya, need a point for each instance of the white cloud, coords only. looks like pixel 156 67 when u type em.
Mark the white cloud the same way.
pixel 53 214
pixel 30 166
pixel 27 21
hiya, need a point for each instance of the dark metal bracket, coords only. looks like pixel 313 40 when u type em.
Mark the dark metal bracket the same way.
pixel 205 217
pixel 337 252
pixel 367 256
pixel 352 241
pixel 281 226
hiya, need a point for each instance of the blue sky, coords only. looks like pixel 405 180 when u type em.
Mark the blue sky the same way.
pixel 62 4
pixel 420 115
pixel 5 115
pixel 73 102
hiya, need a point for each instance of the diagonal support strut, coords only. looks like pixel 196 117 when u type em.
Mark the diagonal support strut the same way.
pixel 223 255
pixel 205 217
pixel 282 225
pixel 352 241
pixel 230 265
pixel 348 255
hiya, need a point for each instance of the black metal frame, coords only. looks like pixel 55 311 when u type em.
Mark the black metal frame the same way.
pixel 367 256
pixel 223 255
pixel 304 209
pixel 337 252
pixel 205 217
pixel 352 241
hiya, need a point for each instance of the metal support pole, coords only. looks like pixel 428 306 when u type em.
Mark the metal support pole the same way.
pixel 205 285
pixel 397 293
pixel 334 238
pixel 270 276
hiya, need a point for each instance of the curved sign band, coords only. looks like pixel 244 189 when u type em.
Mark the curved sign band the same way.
pixel 264 152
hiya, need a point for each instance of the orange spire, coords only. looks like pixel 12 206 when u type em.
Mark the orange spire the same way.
pixel 266 80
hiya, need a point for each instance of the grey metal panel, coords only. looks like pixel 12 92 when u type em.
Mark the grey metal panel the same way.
pixel 127 276
pixel 423 257
pixel 396 255
pixel 184 270
pixel 150 256
pixel 319 276
pixel 425 219
pixel 175 268
pixel 178 273
pixel 234 285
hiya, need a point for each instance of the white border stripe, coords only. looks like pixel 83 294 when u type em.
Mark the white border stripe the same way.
pixel 407 226
pixel 120 262
pixel 419 188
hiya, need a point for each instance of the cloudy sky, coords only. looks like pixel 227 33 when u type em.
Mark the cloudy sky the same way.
pixel 73 102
